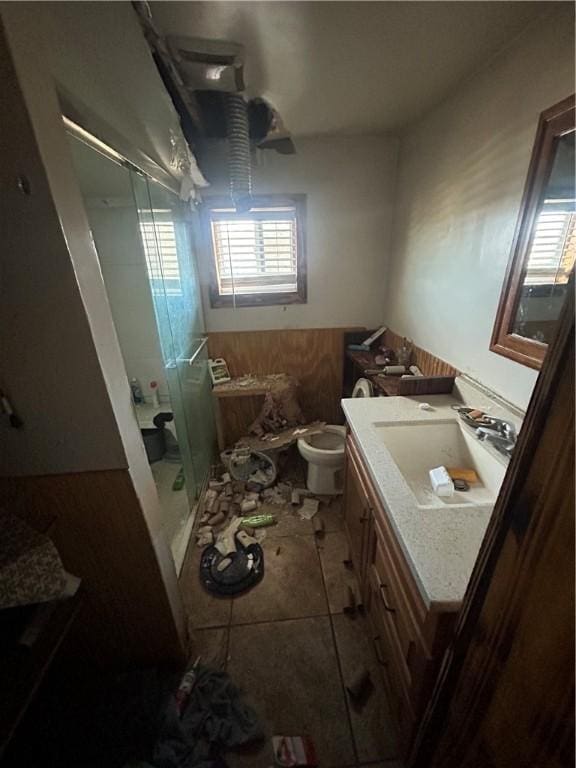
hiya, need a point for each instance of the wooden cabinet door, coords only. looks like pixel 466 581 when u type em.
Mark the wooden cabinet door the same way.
pixel 398 698
pixel 356 514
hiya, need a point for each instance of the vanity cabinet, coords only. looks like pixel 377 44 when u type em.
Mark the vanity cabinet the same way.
pixel 357 513
pixel 409 637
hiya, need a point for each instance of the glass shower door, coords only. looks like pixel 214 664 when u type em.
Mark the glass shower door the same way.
pixel 166 226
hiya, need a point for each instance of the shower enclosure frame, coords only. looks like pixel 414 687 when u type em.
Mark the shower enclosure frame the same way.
pixel 197 473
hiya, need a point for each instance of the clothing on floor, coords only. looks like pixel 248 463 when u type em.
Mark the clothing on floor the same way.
pixel 215 719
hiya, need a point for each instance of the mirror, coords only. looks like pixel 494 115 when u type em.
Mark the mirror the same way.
pixel 544 248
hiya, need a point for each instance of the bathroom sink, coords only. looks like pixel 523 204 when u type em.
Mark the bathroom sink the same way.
pixel 418 447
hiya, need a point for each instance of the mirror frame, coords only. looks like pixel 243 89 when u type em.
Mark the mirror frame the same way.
pixel 553 123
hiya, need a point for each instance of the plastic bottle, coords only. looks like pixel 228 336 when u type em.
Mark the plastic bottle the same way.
pixel 137 396
pixel 185 688
pixel 154 394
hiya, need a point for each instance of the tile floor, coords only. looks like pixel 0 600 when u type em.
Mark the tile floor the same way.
pixel 290 647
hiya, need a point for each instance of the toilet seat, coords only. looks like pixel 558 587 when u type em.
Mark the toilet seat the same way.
pixel 329 443
pixel 363 388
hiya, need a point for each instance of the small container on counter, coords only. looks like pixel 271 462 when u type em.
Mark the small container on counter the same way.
pixel 154 394
pixel 441 482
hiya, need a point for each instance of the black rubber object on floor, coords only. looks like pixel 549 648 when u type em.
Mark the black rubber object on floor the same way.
pixel 244 572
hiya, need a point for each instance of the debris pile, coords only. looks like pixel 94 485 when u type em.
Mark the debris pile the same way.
pixel 280 409
pixel 226 503
pixel 232 505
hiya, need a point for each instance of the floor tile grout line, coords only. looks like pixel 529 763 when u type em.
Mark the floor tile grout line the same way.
pixel 228 632
pixel 260 621
pixel 337 654
pixel 208 627
pixel 279 621
pixel 231 625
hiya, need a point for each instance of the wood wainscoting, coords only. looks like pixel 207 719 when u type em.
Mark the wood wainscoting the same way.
pixel 97 524
pixel 429 364
pixel 313 355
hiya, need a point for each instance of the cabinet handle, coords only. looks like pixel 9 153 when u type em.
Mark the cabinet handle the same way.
pixel 383 596
pixel 378 651
pixel 366 515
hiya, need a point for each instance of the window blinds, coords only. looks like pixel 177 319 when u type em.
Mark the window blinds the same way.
pixel 553 247
pixel 159 239
pixel 255 252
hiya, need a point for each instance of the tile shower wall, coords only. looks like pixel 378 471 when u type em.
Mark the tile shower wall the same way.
pixel 123 264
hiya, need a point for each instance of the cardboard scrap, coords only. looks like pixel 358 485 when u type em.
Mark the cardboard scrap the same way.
pixel 308 509
pixel 248 505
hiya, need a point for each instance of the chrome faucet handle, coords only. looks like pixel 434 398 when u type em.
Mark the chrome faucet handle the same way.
pixel 502 427
pixel 499 436
pixel 506 428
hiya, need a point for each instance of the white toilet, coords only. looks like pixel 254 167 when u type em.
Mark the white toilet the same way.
pixel 324 453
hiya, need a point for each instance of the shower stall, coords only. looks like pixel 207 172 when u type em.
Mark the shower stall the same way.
pixel 145 237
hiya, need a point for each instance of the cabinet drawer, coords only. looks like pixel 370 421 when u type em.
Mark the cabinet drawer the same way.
pixel 400 586
pixel 386 624
pixel 356 512
pixel 393 610
pixel 394 679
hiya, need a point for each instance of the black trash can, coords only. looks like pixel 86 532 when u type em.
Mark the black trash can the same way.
pixel 154 444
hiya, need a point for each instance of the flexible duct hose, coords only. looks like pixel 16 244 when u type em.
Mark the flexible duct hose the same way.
pixel 239 162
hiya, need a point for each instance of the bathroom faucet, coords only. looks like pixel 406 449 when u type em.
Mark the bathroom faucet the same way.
pixel 500 434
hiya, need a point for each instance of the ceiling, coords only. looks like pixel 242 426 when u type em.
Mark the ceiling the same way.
pixel 353 67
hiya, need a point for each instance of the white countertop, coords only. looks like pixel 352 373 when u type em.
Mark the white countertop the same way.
pixel 441 544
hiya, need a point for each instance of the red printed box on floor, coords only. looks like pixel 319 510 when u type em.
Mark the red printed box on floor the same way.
pixel 294 751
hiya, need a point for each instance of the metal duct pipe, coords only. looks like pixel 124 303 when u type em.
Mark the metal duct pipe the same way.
pixel 239 162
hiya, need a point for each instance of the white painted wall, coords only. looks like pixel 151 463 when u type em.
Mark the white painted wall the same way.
pixel 349 183
pixel 461 174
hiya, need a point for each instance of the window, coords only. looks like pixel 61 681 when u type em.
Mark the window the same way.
pixel 258 257
pixel 553 250
pixel 159 240
pixel 541 261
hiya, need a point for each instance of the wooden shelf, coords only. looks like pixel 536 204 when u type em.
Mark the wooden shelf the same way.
pixel 392 386
pixel 251 386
